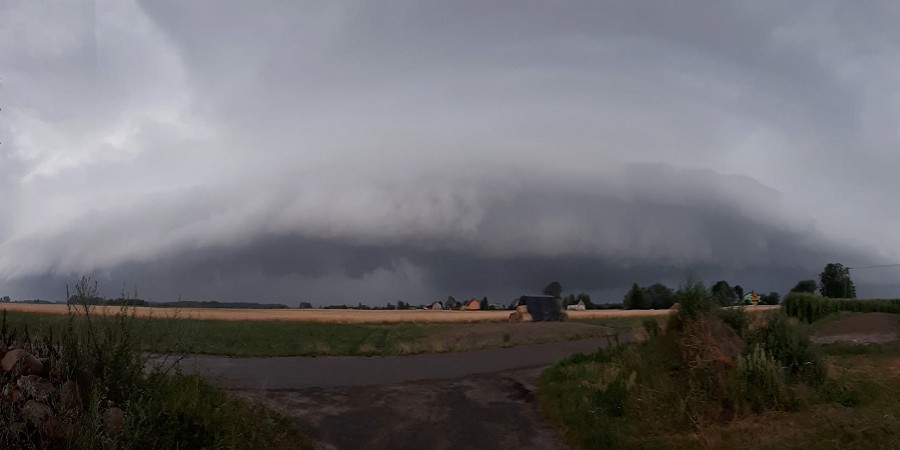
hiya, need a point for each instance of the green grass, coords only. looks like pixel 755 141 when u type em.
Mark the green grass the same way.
pixel 624 323
pixel 184 411
pixel 102 362
pixel 285 338
pixel 599 403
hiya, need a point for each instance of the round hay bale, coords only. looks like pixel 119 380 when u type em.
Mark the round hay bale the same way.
pixel 514 318
pixel 522 309
pixel 527 318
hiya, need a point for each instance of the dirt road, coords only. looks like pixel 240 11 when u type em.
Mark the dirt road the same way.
pixel 869 328
pixel 481 399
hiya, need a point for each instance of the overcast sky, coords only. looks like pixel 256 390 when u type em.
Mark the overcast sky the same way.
pixel 344 151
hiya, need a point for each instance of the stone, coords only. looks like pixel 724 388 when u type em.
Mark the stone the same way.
pixel 13 394
pixel 113 420
pixel 41 417
pixel 16 428
pixel 36 388
pixel 19 362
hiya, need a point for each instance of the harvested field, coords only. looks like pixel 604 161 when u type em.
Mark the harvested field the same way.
pixel 339 315
pixel 298 338
pixel 869 328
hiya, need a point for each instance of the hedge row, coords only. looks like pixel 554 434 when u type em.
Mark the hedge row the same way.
pixel 810 308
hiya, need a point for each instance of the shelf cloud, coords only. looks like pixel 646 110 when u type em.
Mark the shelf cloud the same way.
pixel 368 152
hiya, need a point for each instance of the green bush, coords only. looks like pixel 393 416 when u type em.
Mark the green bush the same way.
pixel 788 343
pixel 694 301
pixel 836 392
pixel 736 318
pixel 762 380
pixel 686 378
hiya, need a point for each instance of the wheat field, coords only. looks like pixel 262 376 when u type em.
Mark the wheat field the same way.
pixel 336 315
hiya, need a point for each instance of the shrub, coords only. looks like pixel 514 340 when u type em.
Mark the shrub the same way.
pixel 96 372
pixel 651 327
pixel 737 319
pixel 693 302
pixel 788 343
pixel 762 380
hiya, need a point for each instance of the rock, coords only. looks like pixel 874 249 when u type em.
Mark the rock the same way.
pixel 113 420
pixel 13 394
pixel 69 399
pixel 19 362
pixel 16 428
pixel 41 417
pixel 45 367
pixel 36 388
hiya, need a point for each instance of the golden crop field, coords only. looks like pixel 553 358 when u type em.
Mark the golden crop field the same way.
pixel 337 315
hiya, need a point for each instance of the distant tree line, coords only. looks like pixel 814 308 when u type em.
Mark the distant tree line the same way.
pixel 660 296
pixel 834 282
pixel 100 301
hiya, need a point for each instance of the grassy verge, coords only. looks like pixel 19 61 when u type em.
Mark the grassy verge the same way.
pixel 184 411
pixel 285 338
pixel 717 379
pixel 624 324
pixel 609 398
pixel 84 382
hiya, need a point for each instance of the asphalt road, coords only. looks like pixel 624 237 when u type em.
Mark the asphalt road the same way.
pixel 483 399
pixel 279 373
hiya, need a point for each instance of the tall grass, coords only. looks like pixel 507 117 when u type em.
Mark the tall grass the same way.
pixel 100 359
pixel 698 372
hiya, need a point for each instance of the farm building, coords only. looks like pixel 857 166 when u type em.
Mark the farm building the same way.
pixel 473 304
pixel 577 307
pixel 538 308
pixel 435 305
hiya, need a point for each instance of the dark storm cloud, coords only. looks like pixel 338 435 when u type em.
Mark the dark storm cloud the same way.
pixel 349 151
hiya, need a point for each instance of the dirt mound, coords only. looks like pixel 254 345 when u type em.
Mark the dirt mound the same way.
pixel 869 328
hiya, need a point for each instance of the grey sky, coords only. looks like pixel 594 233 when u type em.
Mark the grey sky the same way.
pixel 373 151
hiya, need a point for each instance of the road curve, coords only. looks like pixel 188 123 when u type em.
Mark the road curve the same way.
pixel 292 373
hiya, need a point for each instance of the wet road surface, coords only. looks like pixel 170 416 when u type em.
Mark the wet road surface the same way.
pixel 483 399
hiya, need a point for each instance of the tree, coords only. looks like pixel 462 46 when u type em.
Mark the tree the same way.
pixel 5 299
pixel 484 304
pixel 660 296
pixel 722 293
pixel 835 282
pixel 805 286
pixel 451 303
pixel 738 292
pixel 636 298
pixel 582 297
pixel 772 298
pixel 554 289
